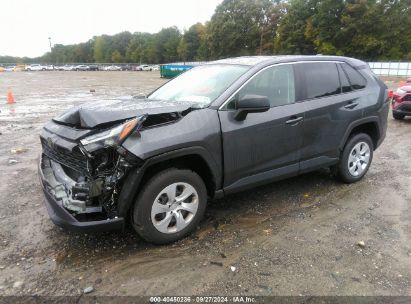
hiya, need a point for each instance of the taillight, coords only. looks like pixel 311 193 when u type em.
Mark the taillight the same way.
pixel 390 94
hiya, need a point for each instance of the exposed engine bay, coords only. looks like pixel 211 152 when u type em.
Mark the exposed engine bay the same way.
pixel 84 169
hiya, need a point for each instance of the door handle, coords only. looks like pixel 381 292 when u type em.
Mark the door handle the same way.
pixel 294 120
pixel 351 105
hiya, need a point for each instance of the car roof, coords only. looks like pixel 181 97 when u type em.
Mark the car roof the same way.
pixel 266 60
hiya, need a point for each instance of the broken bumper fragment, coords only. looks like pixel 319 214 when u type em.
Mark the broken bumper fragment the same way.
pixel 57 187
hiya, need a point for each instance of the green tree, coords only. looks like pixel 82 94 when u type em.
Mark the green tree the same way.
pixel 99 49
pixel 291 37
pixel 167 41
pixel 137 47
pixel 116 57
pixel 243 27
pixel 203 51
pixel 366 29
pixel 182 49
pixel 193 40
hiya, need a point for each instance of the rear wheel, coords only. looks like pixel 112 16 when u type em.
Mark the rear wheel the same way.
pixel 398 116
pixel 170 206
pixel 356 158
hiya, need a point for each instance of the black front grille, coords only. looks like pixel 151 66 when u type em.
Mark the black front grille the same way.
pixel 407 98
pixel 72 159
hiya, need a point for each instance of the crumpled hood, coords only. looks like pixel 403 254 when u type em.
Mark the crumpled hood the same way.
pixel 93 114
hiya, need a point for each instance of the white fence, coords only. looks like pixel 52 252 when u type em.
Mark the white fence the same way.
pixel 391 68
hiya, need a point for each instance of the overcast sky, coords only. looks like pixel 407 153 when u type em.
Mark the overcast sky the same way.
pixel 25 25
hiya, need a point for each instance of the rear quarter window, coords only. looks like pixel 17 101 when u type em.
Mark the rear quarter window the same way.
pixel 357 81
pixel 345 84
pixel 321 79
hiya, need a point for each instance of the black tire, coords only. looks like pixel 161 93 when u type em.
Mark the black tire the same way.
pixel 398 116
pixel 343 172
pixel 141 216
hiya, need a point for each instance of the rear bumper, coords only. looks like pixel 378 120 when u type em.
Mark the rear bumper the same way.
pixel 61 217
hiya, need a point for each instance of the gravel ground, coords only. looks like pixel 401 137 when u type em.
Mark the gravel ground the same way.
pixel 296 237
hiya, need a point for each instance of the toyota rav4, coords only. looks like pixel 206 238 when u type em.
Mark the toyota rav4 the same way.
pixel 219 128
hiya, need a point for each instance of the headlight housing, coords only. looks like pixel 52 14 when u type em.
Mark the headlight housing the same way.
pixel 112 137
pixel 400 92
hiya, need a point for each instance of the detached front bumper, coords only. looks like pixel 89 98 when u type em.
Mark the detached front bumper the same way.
pixel 63 218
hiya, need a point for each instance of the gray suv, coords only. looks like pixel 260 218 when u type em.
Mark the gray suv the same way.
pixel 219 128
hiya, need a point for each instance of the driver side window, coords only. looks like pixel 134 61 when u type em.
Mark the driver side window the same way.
pixel 276 83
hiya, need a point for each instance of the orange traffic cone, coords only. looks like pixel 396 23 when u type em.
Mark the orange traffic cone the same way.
pixel 10 97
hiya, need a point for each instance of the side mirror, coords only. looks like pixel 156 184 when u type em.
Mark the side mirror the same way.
pixel 251 104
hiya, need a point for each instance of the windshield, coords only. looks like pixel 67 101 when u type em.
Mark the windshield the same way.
pixel 201 85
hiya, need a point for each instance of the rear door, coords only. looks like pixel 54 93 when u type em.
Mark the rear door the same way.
pixel 265 145
pixel 330 105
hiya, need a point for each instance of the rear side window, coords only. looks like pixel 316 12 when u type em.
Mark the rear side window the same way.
pixel 356 79
pixel 321 79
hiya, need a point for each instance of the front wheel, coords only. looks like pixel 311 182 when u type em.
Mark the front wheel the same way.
pixel 398 116
pixel 356 158
pixel 170 206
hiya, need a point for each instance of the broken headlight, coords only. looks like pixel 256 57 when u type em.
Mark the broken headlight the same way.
pixel 111 137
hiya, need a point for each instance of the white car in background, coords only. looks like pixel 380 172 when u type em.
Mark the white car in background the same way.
pixel 155 67
pixel 67 67
pixel 9 68
pixel 143 67
pixel 36 67
pixel 112 68
pixel 146 68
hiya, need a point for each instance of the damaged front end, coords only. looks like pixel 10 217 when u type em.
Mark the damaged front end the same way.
pixel 82 172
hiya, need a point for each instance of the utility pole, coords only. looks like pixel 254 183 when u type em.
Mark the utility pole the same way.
pixel 51 54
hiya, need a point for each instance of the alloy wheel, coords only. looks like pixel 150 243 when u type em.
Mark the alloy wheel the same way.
pixel 359 158
pixel 174 207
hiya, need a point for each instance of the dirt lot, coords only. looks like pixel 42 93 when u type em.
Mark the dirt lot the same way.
pixel 295 237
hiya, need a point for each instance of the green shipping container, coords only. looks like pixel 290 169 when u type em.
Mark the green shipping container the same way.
pixel 172 70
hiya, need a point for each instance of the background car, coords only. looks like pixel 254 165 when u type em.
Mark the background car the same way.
pixel 112 68
pixel 146 68
pixel 93 67
pixel 81 67
pixel 67 67
pixel 9 68
pixel 140 67
pixel 36 67
pixel 401 102
pixel 126 67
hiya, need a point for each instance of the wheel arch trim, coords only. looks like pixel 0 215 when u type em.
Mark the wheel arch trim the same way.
pixel 372 119
pixel 134 178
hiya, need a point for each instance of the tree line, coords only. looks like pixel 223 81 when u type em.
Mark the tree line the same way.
pixel 366 29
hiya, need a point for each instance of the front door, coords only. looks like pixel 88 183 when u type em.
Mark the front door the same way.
pixel 265 146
